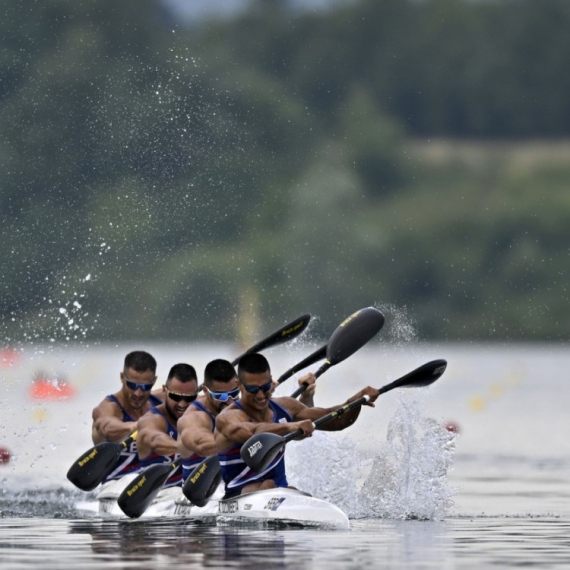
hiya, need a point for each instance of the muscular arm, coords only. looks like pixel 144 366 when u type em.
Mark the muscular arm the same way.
pixel 152 436
pixel 195 434
pixel 301 412
pixel 108 424
pixel 233 426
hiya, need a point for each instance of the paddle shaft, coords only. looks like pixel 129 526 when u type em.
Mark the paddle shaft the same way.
pixel 322 369
pixel 311 359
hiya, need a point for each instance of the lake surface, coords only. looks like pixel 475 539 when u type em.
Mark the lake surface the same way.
pixel 497 492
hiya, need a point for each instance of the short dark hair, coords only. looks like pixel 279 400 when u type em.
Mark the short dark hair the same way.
pixel 218 371
pixel 140 361
pixel 253 363
pixel 184 372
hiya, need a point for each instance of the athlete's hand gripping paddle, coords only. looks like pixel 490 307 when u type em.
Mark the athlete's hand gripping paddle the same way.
pixel 260 450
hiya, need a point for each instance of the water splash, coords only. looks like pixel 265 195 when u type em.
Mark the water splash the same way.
pixel 405 479
pixel 408 478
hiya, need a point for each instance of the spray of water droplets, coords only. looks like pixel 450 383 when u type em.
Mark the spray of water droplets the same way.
pixel 405 478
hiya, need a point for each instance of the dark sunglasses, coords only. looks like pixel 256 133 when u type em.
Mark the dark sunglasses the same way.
pixel 255 389
pixel 181 397
pixel 134 386
pixel 224 396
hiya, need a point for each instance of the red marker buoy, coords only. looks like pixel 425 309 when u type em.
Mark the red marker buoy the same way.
pixel 452 426
pixel 5 456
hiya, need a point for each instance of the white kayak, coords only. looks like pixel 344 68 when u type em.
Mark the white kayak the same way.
pixel 279 507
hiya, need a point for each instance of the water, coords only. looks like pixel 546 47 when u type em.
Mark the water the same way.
pixel 419 496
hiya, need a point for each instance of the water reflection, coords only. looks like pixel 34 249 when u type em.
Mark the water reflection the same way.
pixel 173 543
pixel 188 543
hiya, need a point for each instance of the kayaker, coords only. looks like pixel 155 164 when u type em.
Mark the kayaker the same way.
pixel 116 416
pixel 157 431
pixel 257 412
pixel 220 389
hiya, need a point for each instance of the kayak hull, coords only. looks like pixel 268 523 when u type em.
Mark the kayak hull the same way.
pixel 271 507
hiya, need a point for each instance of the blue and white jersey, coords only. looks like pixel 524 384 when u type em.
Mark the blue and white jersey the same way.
pixel 236 474
pixel 189 463
pixel 154 459
pixel 128 461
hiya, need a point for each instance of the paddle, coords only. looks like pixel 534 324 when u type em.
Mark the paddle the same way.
pixel 96 463
pixel 259 450
pixel 202 483
pixel 135 499
pixel 311 359
pixel 351 335
pixel 284 334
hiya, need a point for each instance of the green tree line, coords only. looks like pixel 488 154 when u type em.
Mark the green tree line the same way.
pixel 161 180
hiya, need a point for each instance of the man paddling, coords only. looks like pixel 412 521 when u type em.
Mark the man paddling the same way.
pixel 257 412
pixel 117 415
pixel 157 431
pixel 196 427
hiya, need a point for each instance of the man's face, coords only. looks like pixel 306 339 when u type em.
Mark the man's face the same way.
pixel 217 392
pixel 178 396
pixel 262 384
pixel 137 387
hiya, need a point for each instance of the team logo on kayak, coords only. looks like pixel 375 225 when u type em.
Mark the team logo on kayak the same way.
pixel 274 503
pixel 253 449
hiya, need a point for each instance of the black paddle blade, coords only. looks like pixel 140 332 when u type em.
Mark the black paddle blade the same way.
pixel 423 376
pixel 94 465
pixel 202 483
pixel 353 333
pixel 137 497
pixel 284 334
pixel 260 450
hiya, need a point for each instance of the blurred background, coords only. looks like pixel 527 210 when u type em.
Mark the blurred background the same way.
pixel 183 170
pixel 187 176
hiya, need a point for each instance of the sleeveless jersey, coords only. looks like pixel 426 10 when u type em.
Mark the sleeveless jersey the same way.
pixel 189 463
pixel 154 459
pixel 236 474
pixel 128 461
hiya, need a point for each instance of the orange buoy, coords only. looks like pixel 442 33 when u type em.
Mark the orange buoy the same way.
pixel 44 389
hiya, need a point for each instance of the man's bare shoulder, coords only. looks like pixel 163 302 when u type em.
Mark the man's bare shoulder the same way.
pixel 194 417
pixel 290 404
pixel 107 408
pixel 231 414
pixel 152 420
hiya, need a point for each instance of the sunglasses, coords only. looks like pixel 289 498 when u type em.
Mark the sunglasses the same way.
pixel 134 386
pixel 224 396
pixel 255 389
pixel 176 397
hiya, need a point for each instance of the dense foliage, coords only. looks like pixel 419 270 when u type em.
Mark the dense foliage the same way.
pixel 170 180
